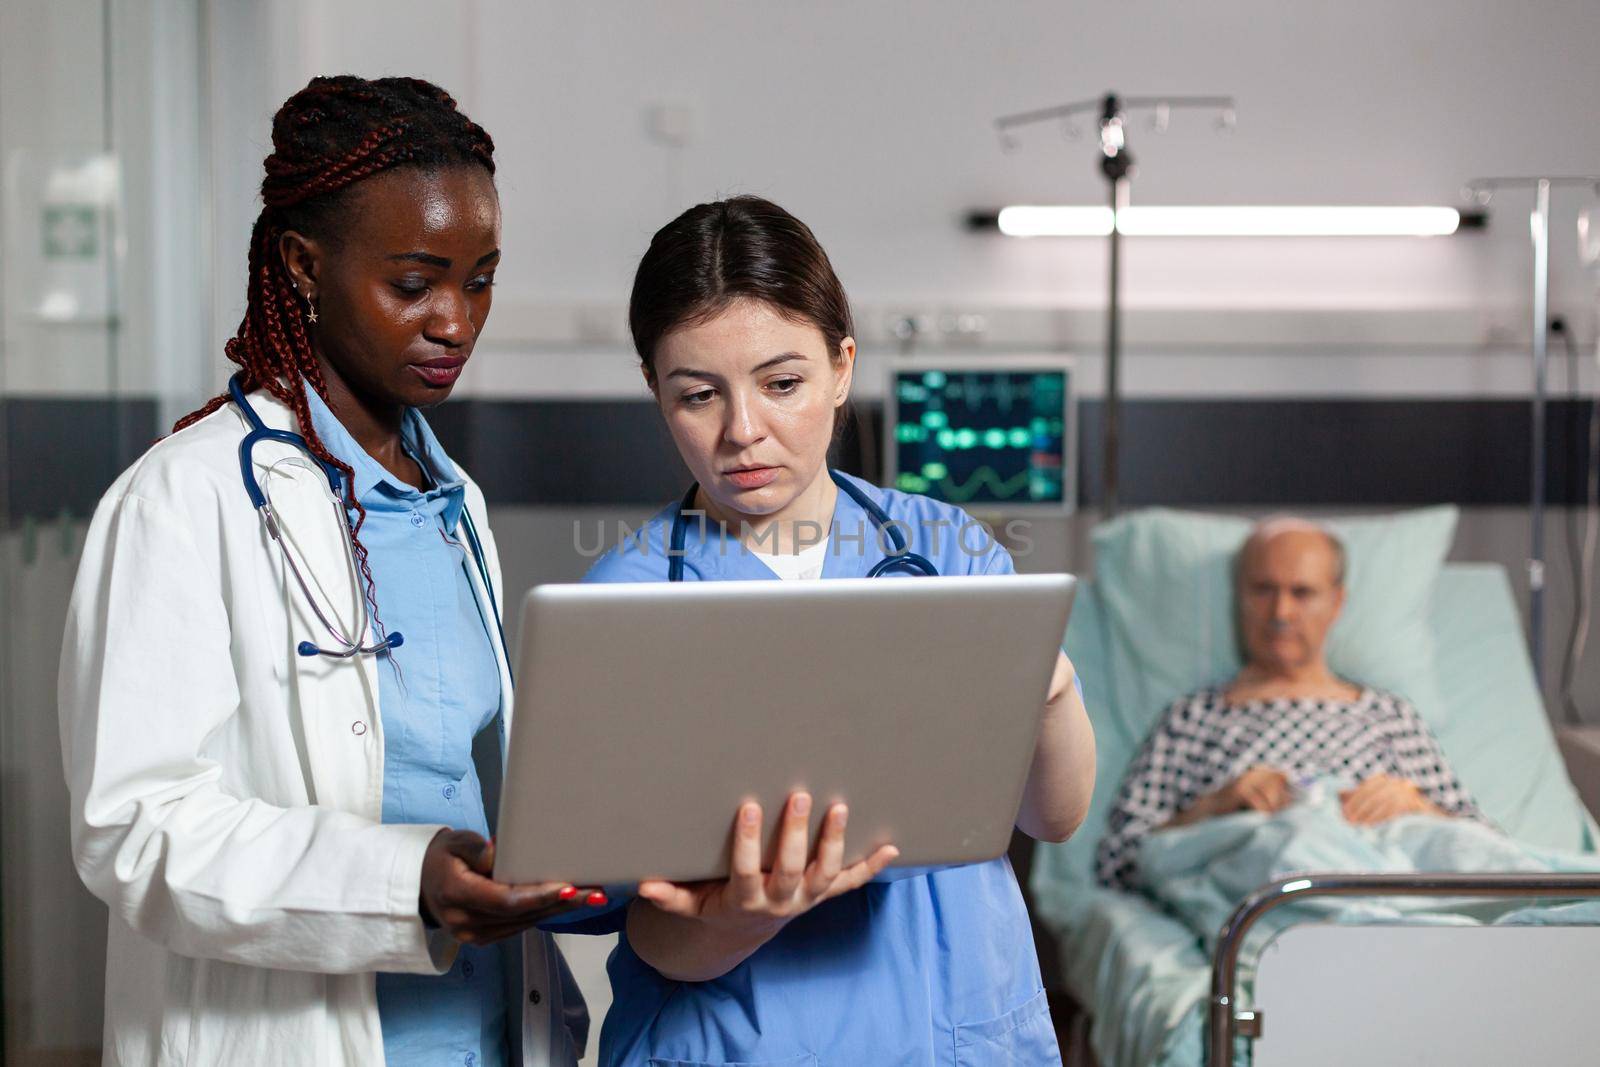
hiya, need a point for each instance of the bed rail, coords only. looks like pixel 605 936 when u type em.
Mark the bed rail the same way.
pixel 1225 1023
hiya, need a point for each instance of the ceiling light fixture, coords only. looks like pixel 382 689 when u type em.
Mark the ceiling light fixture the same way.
pixel 1228 221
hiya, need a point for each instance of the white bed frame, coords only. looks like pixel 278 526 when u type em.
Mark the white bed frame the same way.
pixel 1412 994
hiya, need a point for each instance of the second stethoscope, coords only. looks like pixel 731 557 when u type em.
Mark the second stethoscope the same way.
pixel 345 643
pixel 901 558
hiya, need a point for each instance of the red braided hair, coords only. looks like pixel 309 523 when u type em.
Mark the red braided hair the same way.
pixel 326 138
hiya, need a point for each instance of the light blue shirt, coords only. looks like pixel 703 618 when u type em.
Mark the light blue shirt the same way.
pixel 935 968
pixel 436 692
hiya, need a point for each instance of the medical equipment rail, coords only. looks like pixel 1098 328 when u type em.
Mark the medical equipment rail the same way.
pixel 1225 1023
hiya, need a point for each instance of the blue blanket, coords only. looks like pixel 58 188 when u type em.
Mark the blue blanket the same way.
pixel 1200 873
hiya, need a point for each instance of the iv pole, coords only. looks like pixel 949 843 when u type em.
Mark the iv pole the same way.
pixel 1539 230
pixel 1116 166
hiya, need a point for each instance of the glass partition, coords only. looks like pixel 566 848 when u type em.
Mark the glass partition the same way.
pixel 102 298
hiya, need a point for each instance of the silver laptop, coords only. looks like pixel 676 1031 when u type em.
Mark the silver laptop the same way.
pixel 646 714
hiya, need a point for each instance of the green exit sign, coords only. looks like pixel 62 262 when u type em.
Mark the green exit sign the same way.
pixel 71 231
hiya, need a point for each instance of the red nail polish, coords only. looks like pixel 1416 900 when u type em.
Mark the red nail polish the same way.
pixel 568 893
pixel 596 899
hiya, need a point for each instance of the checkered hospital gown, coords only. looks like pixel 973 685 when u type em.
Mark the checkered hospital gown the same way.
pixel 1203 743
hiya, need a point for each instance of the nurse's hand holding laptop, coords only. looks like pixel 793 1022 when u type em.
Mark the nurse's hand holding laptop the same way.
pixel 743 911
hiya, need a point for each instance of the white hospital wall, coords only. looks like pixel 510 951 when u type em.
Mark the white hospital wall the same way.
pixel 872 121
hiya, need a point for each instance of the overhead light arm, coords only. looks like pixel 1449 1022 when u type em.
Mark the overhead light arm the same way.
pixel 1116 165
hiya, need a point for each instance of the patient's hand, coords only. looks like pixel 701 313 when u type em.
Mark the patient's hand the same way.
pixel 1263 789
pixel 1384 797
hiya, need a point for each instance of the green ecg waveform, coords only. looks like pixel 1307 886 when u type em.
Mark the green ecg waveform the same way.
pixel 961 492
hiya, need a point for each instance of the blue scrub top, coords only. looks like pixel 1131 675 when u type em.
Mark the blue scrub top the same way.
pixel 934 968
pixel 435 693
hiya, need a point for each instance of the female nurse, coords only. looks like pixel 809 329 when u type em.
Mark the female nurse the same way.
pixel 745 336
pixel 279 802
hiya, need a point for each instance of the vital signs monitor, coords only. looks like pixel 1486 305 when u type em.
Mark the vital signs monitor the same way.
pixel 986 433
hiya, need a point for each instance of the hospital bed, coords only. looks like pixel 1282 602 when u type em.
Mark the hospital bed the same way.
pixel 1146 984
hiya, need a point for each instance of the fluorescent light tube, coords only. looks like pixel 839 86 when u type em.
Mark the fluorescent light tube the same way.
pixel 1058 221
pixel 1230 221
pixel 1288 221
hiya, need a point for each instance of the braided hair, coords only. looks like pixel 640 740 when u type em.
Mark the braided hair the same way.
pixel 326 138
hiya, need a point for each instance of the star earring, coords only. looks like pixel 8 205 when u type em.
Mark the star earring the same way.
pixel 311 311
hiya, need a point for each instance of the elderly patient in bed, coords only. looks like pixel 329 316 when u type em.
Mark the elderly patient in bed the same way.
pixel 1285 720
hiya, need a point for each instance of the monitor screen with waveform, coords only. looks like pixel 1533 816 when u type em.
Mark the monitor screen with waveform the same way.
pixel 985 434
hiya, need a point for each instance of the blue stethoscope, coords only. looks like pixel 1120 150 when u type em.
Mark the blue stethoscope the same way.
pixel 901 558
pixel 345 644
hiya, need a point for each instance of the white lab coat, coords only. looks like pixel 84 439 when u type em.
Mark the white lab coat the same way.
pixel 227 792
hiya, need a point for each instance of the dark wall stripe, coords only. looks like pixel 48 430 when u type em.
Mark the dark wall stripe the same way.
pixel 1335 452
pixel 61 454
pixel 563 451
pixel 1175 452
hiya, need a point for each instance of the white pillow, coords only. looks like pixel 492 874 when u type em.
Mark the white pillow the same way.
pixel 1166 580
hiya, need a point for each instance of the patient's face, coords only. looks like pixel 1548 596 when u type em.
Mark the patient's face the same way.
pixel 749 397
pixel 1288 600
